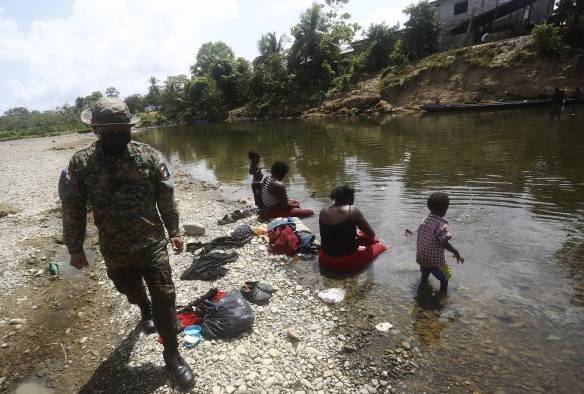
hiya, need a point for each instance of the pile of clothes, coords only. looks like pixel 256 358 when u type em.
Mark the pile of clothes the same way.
pixel 290 236
pixel 210 264
pixel 220 314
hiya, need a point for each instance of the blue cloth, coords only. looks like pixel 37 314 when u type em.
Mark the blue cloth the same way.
pixel 281 222
pixel 307 245
pixel 437 272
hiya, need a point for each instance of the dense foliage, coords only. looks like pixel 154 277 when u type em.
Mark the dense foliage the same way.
pixel 547 39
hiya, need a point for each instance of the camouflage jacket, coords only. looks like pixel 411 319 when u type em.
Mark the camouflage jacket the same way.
pixel 124 193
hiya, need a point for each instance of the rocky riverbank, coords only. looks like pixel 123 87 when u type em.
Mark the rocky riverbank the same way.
pixel 74 332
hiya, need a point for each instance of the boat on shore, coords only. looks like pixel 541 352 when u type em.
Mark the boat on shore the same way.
pixel 485 106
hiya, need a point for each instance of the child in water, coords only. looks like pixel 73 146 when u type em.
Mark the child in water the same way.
pixel 255 169
pixel 433 239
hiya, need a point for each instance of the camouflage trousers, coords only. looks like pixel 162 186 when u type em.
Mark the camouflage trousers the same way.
pixel 150 265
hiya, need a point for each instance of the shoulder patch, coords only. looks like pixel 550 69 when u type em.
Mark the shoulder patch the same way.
pixel 164 173
pixel 66 174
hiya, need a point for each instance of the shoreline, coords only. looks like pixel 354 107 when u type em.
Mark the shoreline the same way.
pixel 81 332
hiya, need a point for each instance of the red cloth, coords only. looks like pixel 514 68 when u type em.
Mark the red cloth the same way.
pixel 290 212
pixel 368 249
pixel 283 240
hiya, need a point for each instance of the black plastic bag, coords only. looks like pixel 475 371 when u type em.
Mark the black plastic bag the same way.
pixel 227 318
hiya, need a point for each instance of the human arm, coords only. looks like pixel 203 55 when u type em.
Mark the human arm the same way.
pixel 443 236
pixel 74 205
pixel 362 223
pixel 454 251
pixel 164 187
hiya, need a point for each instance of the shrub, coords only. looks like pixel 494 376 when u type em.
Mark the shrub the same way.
pixel 547 39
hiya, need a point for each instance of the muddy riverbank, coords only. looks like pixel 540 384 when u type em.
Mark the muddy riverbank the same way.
pixel 74 333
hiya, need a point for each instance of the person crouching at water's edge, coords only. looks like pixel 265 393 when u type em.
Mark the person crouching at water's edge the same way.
pixel 348 243
pixel 275 197
pixel 127 187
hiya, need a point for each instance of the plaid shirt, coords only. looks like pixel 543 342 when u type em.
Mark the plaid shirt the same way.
pixel 432 233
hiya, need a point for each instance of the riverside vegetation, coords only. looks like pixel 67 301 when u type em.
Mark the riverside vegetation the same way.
pixel 323 64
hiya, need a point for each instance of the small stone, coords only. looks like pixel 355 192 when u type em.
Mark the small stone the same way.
pixel 269 382
pixel 274 353
pixel 406 345
pixel 81 341
pixel 306 384
pixel 16 321
pixel 216 390
pixel 194 229
pixel 229 389
pixel 292 335
pixel 4 345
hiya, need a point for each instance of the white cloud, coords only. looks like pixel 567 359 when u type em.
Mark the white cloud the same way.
pixel 101 44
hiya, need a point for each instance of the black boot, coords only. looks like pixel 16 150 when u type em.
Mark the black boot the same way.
pixel 147 322
pixel 176 365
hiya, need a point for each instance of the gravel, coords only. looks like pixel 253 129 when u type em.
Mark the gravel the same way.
pixel 295 345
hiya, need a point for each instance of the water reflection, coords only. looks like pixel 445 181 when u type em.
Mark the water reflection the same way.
pixel 426 313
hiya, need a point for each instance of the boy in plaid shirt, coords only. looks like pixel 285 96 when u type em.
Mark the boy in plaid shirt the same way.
pixel 433 239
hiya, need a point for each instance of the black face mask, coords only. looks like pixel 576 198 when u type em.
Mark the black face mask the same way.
pixel 115 143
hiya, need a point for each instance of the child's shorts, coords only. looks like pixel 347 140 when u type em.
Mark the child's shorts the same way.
pixel 440 273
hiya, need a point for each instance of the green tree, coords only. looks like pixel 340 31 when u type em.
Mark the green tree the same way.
pixel 173 97
pixel 209 55
pixel 380 41
pixel 312 50
pixel 204 99
pixel 89 101
pixel 153 96
pixel 422 30
pixel 269 44
pixel 232 76
pixel 269 80
pixel 314 56
pixel 135 103
pixel 112 92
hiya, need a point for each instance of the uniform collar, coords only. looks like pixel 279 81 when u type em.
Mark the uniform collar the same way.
pixel 131 151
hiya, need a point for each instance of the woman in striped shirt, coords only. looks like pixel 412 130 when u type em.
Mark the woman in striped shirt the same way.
pixel 275 198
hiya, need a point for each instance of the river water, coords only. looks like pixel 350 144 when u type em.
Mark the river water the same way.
pixel 514 317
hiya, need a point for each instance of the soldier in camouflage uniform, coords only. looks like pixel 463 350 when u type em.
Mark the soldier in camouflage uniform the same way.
pixel 127 186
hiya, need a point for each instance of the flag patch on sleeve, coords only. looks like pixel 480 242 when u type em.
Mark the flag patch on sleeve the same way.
pixel 66 174
pixel 164 173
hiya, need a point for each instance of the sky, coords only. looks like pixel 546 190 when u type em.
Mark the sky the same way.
pixel 52 51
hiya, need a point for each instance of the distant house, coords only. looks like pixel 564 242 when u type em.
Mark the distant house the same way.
pixel 468 22
pixel 151 108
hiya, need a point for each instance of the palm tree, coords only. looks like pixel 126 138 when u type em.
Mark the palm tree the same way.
pixel 307 35
pixel 269 44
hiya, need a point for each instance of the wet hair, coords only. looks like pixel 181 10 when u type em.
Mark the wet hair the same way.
pixel 342 193
pixel 438 202
pixel 279 169
pixel 252 154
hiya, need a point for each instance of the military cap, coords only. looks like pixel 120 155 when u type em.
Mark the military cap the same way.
pixel 109 111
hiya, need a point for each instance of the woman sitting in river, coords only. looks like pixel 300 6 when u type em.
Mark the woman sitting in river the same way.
pixel 275 197
pixel 344 248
